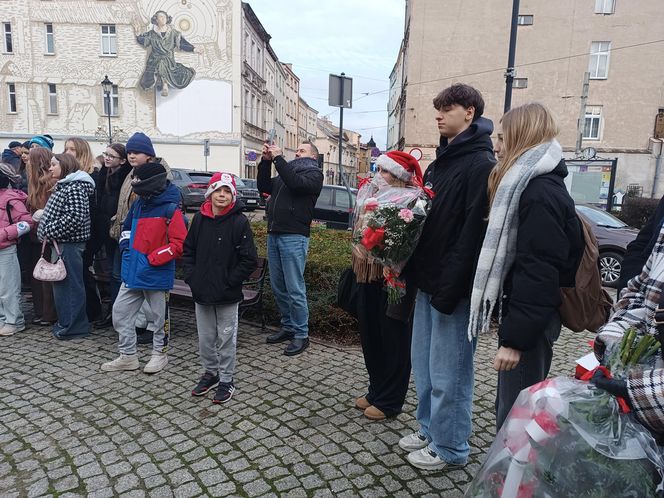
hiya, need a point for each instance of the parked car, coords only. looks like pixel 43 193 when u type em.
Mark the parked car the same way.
pixel 193 185
pixel 612 235
pixel 251 183
pixel 334 207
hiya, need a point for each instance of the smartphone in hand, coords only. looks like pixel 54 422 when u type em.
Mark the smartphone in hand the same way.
pixel 270 136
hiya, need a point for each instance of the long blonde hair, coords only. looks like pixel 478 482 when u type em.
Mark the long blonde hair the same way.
pixel 83 154
pixel 524 127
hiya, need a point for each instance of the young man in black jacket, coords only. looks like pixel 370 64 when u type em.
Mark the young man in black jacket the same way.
pixel 290 209
pixel 442 269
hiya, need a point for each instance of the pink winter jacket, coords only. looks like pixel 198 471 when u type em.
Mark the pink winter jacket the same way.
pixel 16 200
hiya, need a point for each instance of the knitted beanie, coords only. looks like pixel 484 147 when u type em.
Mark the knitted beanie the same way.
pixel 219 180
pixel 43 141
pixel 140 142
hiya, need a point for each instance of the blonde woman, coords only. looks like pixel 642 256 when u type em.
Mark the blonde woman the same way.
pixel 532 247
pixel 80 149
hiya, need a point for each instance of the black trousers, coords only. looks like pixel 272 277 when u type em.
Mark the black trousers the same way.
pixel 386 348
pixel 92 298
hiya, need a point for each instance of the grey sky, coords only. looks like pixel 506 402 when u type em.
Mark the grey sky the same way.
pixel 360 38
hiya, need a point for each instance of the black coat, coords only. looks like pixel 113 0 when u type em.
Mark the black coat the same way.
pixel 549 246
pixel 443 264
pixel 293 193
pixel 640 248
pixel 219 254
pixel 108 193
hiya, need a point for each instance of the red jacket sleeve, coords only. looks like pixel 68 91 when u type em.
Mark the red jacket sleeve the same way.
pixel 177 232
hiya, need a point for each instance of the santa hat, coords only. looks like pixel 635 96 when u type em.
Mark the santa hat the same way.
pixel 402 165
pixel 219 180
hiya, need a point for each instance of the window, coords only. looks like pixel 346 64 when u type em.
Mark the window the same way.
pixel 525 20
pixel 7 29
pixel 593 122
pixel 520 83
pixel 115 101
pixel 11 97
pixel 109 40
pixel 52 99
pixel 605 6
pixel 49 45
pixel 599 60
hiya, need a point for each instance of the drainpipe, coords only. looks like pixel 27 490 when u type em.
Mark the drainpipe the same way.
pixel 658 167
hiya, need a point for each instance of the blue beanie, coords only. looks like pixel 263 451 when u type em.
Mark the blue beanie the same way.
pixel 43 141
pixel 140 142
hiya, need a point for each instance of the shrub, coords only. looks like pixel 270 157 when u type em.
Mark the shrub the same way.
pixel 637 210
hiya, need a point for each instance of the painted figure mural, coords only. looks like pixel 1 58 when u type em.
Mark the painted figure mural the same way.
pixel 161 70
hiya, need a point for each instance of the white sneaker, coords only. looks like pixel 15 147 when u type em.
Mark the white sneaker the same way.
pixel 426 459
pixel 122 362
pixel 156 363
pixel 414 441
pixel 7 329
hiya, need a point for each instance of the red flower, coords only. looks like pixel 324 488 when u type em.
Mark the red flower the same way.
pixel 372 237
pixel 548 423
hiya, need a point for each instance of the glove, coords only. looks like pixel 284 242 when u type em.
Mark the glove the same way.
pixel 617 387
pixel 38 215
pixel 22 228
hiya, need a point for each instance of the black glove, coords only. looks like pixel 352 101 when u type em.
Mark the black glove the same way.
pixel 617 387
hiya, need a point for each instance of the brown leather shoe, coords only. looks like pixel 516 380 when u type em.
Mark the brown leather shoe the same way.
pixel 362 403
pixel 373 413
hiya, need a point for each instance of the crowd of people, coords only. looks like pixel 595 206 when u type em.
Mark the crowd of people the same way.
pixel 500 240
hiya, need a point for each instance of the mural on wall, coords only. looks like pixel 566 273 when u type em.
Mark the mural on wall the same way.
pixel 161 69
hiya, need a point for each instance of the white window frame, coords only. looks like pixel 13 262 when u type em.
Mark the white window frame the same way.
pixel 11 98
pixel 49 39
pixel 7 36
pixel 111 40
pixel 525 19
pixel 520 83
pixel 599 50
pixel 114 101
pixel 593 114
pixel 52 92
pixel 605 7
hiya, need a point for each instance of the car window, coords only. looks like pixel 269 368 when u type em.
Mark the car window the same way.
pixel 200 177
pixel 249 182
pixel 325 197
pixel 341 199
pixel 599 217
pixel 239 183
pixel 176 174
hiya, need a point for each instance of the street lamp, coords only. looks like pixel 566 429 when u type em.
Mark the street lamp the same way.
pixel 107 86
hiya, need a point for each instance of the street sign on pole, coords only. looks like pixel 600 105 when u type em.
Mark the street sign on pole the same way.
pixel 341 91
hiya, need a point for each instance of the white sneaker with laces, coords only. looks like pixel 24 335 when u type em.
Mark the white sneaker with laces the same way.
pixel 122 362
pixel 426 459
pixel 414 441
pixel 7 329
pixel 156 363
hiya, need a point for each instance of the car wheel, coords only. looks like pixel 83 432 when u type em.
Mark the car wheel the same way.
pixel 610 264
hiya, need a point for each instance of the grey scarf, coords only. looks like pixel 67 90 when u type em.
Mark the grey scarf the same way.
pixel 499 246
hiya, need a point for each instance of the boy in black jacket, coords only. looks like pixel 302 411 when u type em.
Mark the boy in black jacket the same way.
pixel 219 254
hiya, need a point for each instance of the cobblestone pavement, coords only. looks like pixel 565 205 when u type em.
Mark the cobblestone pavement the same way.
pixel 290 430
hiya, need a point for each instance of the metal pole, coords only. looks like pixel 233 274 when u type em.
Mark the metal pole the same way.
pixel 341 141
pixel 509 74
pixel 580 124
pixel 108 108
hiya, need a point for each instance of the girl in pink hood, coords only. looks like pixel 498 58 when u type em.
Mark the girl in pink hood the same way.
pixel 15 221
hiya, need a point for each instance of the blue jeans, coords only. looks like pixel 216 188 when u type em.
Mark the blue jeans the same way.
pixel 69 294
pixel 442 363
pixel 287 257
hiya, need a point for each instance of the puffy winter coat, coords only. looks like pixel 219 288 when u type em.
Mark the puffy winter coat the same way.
pixel 151 241
pixel 14 200
pixel 66 216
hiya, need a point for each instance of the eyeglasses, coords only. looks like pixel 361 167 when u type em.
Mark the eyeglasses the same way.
pixel 109 156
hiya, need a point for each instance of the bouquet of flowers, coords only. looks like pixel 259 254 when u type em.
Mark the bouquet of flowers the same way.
pixel 632 353
pixel 387 227
pixel 564 437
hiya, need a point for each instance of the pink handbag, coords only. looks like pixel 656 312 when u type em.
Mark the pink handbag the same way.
pixel 50 272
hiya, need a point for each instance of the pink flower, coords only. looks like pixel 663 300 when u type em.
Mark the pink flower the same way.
pixel 371 204
pixel 406 215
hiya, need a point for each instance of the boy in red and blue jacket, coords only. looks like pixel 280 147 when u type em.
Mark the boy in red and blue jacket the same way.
pixel 152 237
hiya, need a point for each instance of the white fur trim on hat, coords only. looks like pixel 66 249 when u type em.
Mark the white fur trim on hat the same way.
pixel 389 164
pixel 226 180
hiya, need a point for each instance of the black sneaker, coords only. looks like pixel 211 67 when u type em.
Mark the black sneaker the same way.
pixel 224 393
pixel 207 382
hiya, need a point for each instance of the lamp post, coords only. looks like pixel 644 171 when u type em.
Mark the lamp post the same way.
pixel 107 86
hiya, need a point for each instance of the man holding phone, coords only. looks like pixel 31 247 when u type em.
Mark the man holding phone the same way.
pixel 290 209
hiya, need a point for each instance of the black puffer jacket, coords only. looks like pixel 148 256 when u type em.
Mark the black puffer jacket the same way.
pixel 293 193
pixel 549 246
pixel 444 262
pixel 108 188
pixel 219 254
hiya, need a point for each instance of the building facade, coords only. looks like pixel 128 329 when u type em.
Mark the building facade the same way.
pixel 327 142
pixel 618 42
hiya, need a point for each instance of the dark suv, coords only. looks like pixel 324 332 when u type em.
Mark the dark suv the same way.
pixel 334 207
pixel 193 185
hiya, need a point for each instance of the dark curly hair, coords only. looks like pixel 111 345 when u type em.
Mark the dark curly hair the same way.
pixel 153 19
pixel 464 95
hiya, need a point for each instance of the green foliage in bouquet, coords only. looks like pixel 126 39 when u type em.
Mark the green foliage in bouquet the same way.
pixel 633 350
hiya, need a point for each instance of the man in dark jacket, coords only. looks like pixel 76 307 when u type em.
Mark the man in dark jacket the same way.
pixel 12 156
pixel 290 209
pixel 442 269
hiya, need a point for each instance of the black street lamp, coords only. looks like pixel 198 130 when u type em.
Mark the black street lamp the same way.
pixel 107 86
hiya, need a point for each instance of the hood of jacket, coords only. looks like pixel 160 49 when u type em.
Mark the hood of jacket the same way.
pixel 477 137
pixel 8 155
pixel 206 210
pixel 10 194
pixel 169 196
pixel 77 176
